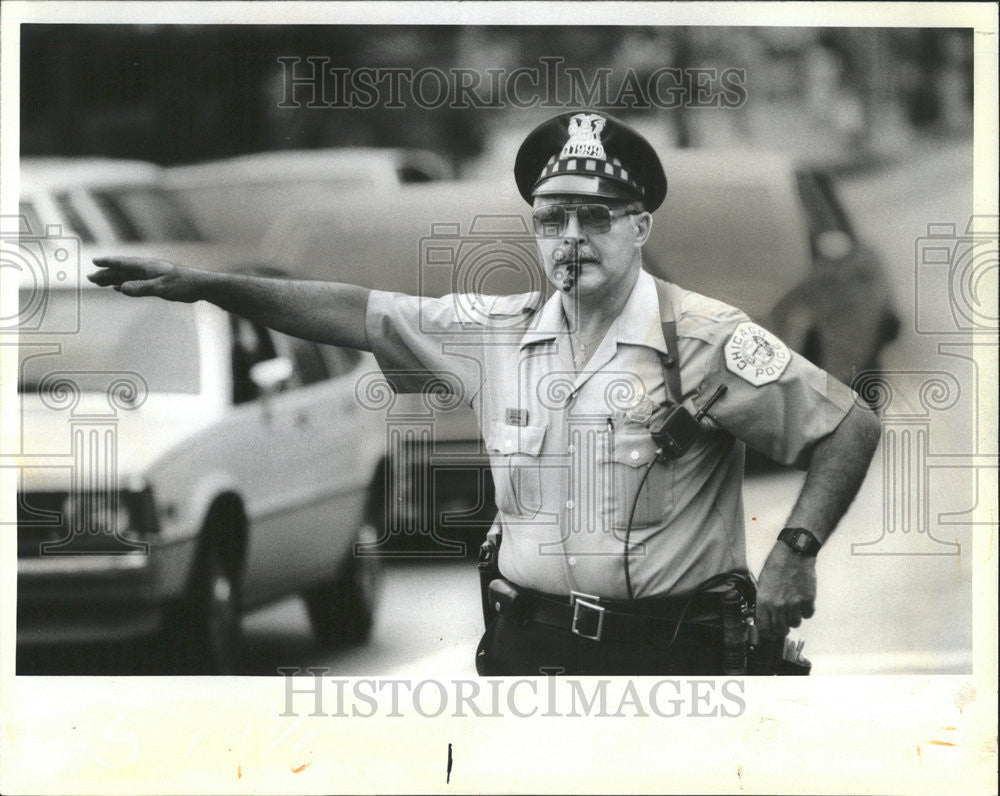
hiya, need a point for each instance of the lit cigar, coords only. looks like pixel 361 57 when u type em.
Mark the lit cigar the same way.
pixel 565 275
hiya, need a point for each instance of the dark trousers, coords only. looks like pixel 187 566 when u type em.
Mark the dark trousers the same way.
pixel 508 648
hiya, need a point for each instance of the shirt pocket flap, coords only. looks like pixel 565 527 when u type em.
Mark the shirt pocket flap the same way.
pixel 635 450
pixel 507 440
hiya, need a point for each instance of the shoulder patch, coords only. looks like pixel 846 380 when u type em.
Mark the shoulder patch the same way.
pixel 755 355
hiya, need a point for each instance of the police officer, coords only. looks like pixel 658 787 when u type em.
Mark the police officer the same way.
pixel 615 414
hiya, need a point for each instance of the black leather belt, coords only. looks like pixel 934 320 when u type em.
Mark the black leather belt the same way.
pixel 652 621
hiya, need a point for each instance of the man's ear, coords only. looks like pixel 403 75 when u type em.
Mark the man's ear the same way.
pixel 643 225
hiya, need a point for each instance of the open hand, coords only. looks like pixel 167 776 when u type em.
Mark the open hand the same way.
pixel 786 591
pixel 146 276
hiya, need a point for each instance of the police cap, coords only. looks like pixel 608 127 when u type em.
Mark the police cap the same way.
pixel 590 153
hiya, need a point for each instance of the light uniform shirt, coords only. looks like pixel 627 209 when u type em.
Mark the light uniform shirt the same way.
pixel 568 450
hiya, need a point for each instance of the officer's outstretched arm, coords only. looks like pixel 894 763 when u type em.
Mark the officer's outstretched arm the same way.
pixel 786 590
pixel 326 312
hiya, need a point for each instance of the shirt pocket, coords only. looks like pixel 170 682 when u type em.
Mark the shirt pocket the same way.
pixel 623 462
pixel 515 458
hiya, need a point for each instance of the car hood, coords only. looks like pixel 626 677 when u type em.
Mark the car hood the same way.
pixel 55 435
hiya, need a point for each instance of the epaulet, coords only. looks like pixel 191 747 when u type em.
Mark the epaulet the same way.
pixel 519 304
pixel 706 318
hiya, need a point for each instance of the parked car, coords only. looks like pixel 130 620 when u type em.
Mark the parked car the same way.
pixel 178 464
pixel 750 229
pixel 230 197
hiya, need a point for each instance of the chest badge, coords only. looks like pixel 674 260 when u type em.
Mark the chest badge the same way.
pixel 756 355
pixel 516 417
pixel 640 410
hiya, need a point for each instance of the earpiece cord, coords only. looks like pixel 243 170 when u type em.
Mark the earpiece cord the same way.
pixel 715 580
pixel 631 516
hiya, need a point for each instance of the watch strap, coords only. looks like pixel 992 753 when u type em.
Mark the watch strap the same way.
pixel 801 541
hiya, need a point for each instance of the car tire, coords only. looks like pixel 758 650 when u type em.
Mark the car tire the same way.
pixel 342 610
pixel 205 633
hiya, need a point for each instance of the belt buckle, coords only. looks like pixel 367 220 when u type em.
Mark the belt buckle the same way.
pixel 579 600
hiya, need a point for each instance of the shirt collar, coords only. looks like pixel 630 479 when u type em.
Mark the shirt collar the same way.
pixel 638 323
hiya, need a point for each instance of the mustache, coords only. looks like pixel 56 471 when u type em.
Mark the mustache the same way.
pixel 572 253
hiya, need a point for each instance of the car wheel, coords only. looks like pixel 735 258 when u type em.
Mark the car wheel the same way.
pixel 205 633
pixel 342 611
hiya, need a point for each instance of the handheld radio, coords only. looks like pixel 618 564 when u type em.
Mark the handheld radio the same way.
pixel 675 432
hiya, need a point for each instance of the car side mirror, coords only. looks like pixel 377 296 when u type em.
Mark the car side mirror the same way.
pixel 271 375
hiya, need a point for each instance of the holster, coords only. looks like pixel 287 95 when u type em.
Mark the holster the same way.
pixel 489 569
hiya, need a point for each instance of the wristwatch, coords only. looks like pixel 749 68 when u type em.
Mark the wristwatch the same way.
pixel 801 541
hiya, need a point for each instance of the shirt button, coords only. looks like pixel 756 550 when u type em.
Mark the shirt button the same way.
pixel 508 443
pixel 569 504
pixel 571 448
pixel 572 561
pixel 634 455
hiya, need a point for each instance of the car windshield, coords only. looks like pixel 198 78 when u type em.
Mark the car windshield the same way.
pixel 143 213
pixel 96 334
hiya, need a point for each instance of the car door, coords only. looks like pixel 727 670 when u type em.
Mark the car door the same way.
pixel 263 447
pixel 297 463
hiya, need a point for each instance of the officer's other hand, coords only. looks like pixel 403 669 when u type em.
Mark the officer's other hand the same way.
pixel 145 276
pixel 786 591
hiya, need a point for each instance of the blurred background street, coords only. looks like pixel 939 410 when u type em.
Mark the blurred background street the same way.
pixel 884 115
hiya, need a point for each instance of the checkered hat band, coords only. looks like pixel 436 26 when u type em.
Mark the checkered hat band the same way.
pixel 611 169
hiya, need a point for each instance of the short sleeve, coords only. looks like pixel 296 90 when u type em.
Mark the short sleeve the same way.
pixel 423 344
pixel 776 401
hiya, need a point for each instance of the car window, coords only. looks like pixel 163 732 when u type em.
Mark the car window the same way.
pixel 143 213
pixel 305 356
pixel 251 344
pixel 156 340
pixel 30 223
pixel 73 218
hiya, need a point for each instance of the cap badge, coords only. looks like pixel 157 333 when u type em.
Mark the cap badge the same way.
pixel 584 137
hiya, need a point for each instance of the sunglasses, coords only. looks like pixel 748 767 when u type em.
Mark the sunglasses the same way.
pixel 550 221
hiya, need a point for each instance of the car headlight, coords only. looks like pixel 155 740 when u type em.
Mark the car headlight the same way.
pixel 97 513
pixel 109 520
